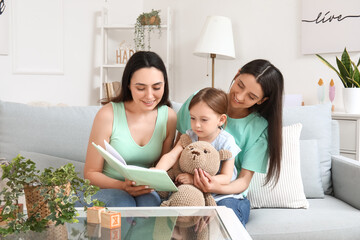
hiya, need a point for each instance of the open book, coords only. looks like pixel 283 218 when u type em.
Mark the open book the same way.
pixel 154 178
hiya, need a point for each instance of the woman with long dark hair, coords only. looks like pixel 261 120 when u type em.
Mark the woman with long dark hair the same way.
pixel 139 124
pixel 255 121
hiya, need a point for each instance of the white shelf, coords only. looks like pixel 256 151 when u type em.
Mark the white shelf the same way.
pixel 106 28
pixel 125 26
pixel 113 65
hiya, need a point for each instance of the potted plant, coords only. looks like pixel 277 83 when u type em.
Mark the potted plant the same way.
pixel 349 75
pixel 150 21
pixel 50 196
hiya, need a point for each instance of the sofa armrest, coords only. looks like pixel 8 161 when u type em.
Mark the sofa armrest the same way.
pixel 346 180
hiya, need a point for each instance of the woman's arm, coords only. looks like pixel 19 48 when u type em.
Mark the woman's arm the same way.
pixel 101 129
pixel 223 177
pixel 227 170
pixel 207 183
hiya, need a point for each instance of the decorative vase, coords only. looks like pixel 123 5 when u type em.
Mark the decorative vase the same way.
pixel 351 98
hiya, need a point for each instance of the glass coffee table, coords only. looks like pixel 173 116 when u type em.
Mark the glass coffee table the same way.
pixel 164 223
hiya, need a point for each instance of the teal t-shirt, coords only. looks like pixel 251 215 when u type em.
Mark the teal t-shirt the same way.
pixel 122 141
pixel 250 135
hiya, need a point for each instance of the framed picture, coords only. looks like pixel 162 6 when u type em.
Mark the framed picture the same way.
pixel 4 27
pixel 328 26
pixel 37 36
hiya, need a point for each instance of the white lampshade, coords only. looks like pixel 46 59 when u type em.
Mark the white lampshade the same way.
pixel 216 38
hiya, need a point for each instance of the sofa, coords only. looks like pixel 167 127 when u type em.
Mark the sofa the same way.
pixel 327 202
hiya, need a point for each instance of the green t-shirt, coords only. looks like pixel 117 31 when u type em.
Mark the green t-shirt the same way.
pixel 250 135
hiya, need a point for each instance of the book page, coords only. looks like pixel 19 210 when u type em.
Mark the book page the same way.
pixel 154 178
pixel 113 152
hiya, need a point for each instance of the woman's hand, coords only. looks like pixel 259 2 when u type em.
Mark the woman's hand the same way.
pixel 185 178
pixel 204 181
pixel 129 187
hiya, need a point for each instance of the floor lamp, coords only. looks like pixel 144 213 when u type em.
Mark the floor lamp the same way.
pixel 216 40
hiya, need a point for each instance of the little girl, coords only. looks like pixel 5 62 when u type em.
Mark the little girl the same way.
pixel 208 114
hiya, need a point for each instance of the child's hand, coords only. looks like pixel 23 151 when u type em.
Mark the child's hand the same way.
pixel 185 178
pixel 204 181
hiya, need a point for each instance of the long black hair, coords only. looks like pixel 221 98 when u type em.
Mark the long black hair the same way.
pixel 142 59
pixel 272 84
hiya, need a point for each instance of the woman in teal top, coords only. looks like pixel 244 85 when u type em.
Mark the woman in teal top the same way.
pixel 139 124
pixel 255 121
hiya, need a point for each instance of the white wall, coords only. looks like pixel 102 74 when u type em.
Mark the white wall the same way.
pixel 262 29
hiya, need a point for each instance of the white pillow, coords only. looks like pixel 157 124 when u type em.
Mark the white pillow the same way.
pixel 289 191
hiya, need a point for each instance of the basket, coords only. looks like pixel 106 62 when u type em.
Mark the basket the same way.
pixel 35 202
pixel 153 20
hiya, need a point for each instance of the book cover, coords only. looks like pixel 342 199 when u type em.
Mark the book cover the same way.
pixel 154 178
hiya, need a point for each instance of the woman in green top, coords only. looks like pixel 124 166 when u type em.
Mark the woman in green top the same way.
pixel 139 124
pixel 255 121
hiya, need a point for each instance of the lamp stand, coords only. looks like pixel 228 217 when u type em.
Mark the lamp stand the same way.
pixel 213 56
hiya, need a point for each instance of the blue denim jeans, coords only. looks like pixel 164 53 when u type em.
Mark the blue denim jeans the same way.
pixel 241 207
pixel 120 198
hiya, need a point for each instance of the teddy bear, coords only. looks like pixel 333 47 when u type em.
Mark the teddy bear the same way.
pixel 195 155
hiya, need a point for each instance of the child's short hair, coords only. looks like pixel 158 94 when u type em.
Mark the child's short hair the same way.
pixel 215 98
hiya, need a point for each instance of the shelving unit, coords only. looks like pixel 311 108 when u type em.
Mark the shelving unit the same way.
pixel 349 125
pixel 106 28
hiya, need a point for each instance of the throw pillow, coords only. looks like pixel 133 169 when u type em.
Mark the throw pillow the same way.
pixel 310 169
pixel 316 122
pixel 289 191
pixel 45 161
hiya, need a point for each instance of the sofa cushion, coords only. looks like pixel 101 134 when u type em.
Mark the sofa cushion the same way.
pixel 325 219
pixel 310 169
pixel 316 121
pixel 45 161
pixel 57 131
pixel 289 190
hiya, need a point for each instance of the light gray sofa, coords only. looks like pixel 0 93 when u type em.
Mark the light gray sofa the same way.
pixel 52 136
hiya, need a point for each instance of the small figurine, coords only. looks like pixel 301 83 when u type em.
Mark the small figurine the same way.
pixel 321 91
pixel 332 94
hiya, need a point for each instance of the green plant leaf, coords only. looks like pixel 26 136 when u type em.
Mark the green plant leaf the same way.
pixel 333 68
pixel 343 69
pixel 22 172
pixel 356 76
pixel 345 59
pixel 357 85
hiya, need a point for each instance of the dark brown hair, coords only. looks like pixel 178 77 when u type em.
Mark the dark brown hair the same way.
pixel 215 98
pixel 272 84
pixel 142 59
